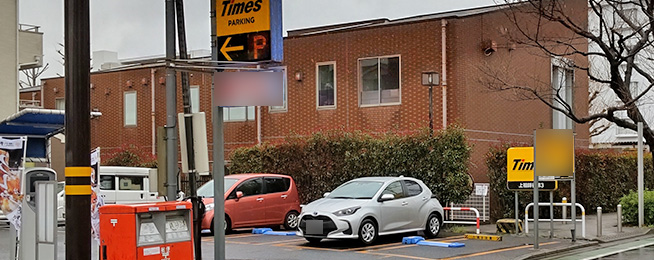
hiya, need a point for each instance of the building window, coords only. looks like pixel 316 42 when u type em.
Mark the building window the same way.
pixel 379 81
pixel 234 114
pixel 326 84
pixel 195 99
pixel 562 83
pixel 130 108
pixel 60 104
pixel 284 106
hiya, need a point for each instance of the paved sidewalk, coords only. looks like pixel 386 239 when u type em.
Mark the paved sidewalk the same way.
pixel 562 233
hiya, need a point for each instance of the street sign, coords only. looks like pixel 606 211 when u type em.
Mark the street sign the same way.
pixel 555 152
pixel 249 30
pixel 520 170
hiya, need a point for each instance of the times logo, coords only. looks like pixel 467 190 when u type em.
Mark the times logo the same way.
pixel 231 8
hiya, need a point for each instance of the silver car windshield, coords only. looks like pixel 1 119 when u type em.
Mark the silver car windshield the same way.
pixel 356 190
pixel 206 190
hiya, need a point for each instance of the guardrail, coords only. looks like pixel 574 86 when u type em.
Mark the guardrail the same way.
pixel 463 222
pixel 583 216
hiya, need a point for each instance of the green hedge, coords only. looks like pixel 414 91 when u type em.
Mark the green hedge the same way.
pixel 630 207
pixel 602 179
pixel 322 161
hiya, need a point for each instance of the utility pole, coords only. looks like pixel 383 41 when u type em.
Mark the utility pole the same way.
pixel 171 104
pixel 188 124
pixel 78 129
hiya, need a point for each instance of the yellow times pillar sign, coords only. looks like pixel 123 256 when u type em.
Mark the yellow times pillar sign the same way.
pixel 520 170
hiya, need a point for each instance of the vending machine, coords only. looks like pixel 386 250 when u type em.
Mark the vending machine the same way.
pixel 146 231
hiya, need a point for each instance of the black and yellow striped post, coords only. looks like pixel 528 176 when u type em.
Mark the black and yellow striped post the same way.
pixel 78 129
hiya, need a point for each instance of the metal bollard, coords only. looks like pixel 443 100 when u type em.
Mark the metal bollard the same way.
pixel 565 209
pixel 599 221
pixel 619 218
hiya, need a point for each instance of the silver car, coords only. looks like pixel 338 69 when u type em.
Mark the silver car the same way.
pixel 367 208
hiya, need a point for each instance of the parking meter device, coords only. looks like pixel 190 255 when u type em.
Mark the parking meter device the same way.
pixel 31 233
pixel 146 231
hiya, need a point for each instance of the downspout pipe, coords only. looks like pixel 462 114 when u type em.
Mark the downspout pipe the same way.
pixel 444 69
pixel 154 132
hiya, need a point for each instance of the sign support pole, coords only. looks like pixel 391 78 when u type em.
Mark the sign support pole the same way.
pixel 218 167
pixel 517 208
pixel 573 208
pixel 551 214
pixel 536 215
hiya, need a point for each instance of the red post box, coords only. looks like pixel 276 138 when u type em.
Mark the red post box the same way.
pixel 146 231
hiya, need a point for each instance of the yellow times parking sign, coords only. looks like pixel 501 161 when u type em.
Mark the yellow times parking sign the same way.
pixel 520 164
pixel 520 170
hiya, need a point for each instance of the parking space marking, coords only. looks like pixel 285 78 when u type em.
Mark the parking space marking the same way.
pixel 395 255
pixel 370 247
pixel 497 251
pixel 309 248
pixel 241 236
pixel 278 242
pixel 456 238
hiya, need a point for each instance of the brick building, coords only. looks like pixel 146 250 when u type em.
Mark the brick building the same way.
pixel 362 76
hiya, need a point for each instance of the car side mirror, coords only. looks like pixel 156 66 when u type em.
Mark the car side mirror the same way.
pixel 386 197
pixel 239 194
pixel 326 194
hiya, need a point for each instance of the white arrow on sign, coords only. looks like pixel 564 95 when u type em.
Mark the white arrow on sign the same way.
pixel 224 49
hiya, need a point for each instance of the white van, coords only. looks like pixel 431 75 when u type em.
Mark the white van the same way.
pixel 127 185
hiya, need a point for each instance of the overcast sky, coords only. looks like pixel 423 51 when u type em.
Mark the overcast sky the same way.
pixel 135 28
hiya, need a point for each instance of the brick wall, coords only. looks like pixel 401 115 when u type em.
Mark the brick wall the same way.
pixel 488 117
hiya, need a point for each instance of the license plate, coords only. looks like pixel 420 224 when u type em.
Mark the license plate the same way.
pixel 314 227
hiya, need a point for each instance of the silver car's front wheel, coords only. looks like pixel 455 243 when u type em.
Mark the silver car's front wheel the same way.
pixel 368 232
pixel 433 226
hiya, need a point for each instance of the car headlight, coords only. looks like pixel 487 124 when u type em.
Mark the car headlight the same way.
pixel 209 207
pixel 347 211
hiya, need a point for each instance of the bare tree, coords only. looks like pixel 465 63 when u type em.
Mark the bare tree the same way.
pixel 615 38
pixel 32 76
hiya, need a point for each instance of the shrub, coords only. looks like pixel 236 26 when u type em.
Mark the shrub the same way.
pixel 324 160
pixel 630 207
pixel 602 178
pixel 130 155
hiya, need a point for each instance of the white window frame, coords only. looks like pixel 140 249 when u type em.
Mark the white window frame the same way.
pixel 566 65
pixel 249 115
pixel 125 123
pixel 360 87
pixel 57 100
pixel 195 108
pixel 318 106
pixel 283 108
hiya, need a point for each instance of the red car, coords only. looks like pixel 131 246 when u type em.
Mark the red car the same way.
pixel 252 200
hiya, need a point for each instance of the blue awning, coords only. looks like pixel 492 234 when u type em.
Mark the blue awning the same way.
pixel 38 125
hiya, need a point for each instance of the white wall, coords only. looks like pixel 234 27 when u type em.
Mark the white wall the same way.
pixel 8 58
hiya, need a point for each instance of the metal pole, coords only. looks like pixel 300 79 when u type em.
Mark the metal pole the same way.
pixel 78 129
pixel 641 182
pixel 218 155
pixel 536 215
pixel 564 209
pixel 551 214
pixel 171 104
pixel 188 125
pixel 573 208
pixel 431 113
pixel 599 221
pixel 517 209
pixel 619 218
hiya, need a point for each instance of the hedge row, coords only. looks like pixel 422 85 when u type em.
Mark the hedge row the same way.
pixel 322 161
pixel 602 178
